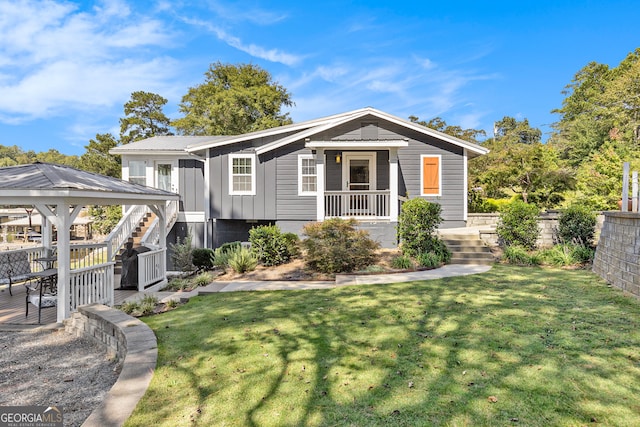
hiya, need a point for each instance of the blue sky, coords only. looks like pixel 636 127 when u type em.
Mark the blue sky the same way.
pixel 67 67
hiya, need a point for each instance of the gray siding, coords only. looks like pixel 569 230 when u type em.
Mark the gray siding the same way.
pixel 191 185
pixel 290 205
pixel 277 175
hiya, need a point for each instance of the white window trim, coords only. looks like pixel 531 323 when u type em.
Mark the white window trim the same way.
pixel 300 191
pixel 253 174
pixel 127 175
pixel 422 157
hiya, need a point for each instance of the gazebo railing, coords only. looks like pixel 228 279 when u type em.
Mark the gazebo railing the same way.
pixel 151 269
pixel 91 285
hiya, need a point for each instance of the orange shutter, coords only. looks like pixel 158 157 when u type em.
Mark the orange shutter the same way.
pixel 430 175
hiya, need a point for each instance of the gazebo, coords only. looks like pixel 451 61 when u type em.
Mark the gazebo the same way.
pixel 58 193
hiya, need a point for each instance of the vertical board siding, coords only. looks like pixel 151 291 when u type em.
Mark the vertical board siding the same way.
pixel 191 185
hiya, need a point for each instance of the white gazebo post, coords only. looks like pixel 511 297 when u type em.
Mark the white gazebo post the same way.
pixel 62 219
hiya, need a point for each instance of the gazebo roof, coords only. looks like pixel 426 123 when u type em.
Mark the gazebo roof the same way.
pixel 46 182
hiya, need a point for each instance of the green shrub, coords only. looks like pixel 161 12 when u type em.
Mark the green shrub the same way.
pixel 177 285
pixel 242 260
pixel 293 244
pixel 518 225
pixel 577 225
pixel 202 279
pixel 559 255
pixel 202 258
pixel 182 254
pixel 220 256
pixel 520 256
pixel 402 262
pixel 269 245
pixel 583 254
pixel 336 246
pixel 439 248
pixel 417 224
pixel 144 307
pixel 148 305
pixel 429 260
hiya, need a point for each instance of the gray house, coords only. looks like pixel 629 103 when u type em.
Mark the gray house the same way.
pixel 361 164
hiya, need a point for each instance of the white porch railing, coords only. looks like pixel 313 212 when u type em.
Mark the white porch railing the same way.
pixel 123 230
pixel 91 285
pixel 151 269
pixel 357 204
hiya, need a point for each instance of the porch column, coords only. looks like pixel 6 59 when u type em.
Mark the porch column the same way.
pixel 320 180
pixel 393 184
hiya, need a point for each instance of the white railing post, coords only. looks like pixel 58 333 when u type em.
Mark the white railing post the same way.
pixel 625 187
pixel 634 192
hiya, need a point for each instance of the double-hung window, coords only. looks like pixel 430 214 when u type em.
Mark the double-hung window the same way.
pixel 307 177
pixel 242 174
pixel 138 172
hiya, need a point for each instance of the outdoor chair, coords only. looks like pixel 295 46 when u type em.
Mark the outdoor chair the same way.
pixel 43 292
pixel 14 268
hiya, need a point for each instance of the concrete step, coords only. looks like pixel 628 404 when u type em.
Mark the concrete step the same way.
pixel 468 248
pixel 465 243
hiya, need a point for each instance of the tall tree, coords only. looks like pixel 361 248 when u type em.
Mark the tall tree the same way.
pixel 144 117
pixel 440 125
pixel 234 99
pixel 97 158
pixel 519 164
pixel 602 104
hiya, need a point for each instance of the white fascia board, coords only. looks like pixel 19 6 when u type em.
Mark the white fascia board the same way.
pixel 431 132
pixel 328 145
pixel 276 131
pixel 308 133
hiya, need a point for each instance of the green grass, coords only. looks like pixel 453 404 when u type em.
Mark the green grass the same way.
pixel 554 347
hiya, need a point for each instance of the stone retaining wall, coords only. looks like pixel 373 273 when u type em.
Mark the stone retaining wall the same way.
pixel 133 344
pixel 548 223
pixel 617 258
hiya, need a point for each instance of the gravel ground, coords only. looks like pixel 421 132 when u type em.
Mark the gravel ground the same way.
pixel 54 368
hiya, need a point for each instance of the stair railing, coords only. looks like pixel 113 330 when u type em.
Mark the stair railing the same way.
pixel 152 235
pixel 122 231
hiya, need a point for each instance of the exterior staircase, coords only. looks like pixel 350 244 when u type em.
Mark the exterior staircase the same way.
pixel 135 238
pixel 467 248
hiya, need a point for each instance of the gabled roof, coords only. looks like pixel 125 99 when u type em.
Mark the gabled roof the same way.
pixel 290 134
pixel 313 127
pixel 51 181
pixel 165 143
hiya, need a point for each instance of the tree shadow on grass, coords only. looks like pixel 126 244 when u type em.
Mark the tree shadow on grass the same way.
pixel 525 345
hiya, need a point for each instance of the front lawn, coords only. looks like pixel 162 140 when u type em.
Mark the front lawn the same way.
pixel 511 347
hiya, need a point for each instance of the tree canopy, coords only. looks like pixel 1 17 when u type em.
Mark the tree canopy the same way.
pixel 144 117
pixel 599 128
pixel 440 125
pixel 233 99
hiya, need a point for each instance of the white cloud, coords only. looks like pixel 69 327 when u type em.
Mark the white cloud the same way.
pixel 273 55
pixel 57 58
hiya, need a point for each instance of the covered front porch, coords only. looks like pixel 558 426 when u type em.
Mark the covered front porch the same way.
pixel 84 273
pixel 358 179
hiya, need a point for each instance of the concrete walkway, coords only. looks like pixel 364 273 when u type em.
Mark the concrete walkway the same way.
pixel 450 270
